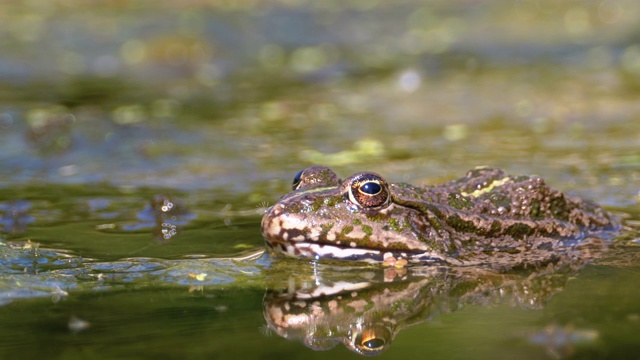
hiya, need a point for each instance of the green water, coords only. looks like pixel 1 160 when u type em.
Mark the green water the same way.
pixel 213 107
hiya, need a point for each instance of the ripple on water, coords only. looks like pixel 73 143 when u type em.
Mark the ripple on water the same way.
pixel 26 272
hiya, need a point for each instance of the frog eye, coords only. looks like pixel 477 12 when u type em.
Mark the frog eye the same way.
pixel 315 177
pixel 297 179
pixel 368 190
pixel 370 340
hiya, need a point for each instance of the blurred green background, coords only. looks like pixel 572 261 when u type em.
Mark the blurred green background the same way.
pixel 235 94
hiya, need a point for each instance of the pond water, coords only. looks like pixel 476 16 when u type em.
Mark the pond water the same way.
pixel 140 144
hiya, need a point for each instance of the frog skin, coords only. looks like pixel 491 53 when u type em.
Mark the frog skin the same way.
pixel 486 217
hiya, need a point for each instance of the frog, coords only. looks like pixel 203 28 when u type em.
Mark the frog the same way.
pixel 485 217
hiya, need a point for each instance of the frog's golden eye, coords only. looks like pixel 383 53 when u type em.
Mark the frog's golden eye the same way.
pixel 368 190
pixel 370 340
pixel 372 343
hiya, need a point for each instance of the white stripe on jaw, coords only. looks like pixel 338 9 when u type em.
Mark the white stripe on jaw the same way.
pixel 332 252
pixel 317 251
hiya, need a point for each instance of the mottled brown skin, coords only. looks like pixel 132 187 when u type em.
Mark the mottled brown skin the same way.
pixel 485 217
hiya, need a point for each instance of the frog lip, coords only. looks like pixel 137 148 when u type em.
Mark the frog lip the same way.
pixel 320 251
pixel 315 251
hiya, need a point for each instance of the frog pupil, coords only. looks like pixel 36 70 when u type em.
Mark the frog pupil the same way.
pixel 374 343
pixel 370 188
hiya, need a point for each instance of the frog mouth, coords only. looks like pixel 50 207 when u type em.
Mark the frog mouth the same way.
pixel 317 251
pixel 291 236
pixel 323 251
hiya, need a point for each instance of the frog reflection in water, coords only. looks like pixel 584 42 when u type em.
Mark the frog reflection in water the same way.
pixel 486 217
pixel 365 308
